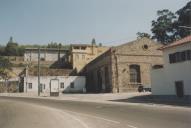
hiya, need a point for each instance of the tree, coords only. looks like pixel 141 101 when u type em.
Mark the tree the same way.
pixel 5 66
pixel 93 41
pixel 54 45
pixel 143 34
pixel 20 50
pixel 184 19
pixel 2 50
pixel 11 48
pixel 163 28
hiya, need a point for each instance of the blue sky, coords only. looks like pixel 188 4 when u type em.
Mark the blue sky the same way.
pixel 110 22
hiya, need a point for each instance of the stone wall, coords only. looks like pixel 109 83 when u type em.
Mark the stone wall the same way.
pixel 142 52
pixel 99 74
pixel 82 54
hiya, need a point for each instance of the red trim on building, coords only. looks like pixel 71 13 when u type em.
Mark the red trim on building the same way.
pixel 177 43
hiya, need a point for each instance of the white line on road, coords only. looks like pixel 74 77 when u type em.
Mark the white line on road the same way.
pixel 87 115
pixel 97 117
pixel 131 126
pixel 68 112
pixel 75 118
pixel 84 125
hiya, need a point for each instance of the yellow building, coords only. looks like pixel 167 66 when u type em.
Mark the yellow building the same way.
pixel 82 54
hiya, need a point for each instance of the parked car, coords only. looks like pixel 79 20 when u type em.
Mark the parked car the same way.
pixel 143 88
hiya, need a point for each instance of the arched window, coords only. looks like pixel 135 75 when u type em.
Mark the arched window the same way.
pixel 135 76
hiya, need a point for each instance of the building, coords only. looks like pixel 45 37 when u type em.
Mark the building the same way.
pixel 123 68
pixel 82 54
pixel 65 84
pixel 65 81
pixel 50 55
pixel 174 79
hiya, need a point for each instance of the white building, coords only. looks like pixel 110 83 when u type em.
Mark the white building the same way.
pixel 66 84
pixel 174 79
pixel 46 54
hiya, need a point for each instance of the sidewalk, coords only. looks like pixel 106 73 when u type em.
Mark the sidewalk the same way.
pixel 135 98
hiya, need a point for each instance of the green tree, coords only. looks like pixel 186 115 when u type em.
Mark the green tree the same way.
pixel 54 45
pixel 20 50
pixel 184 20
pixel 143 34
pixel 93 41
pixel 2 50
pixel 5 66
pixel 11 48
pixel 163 28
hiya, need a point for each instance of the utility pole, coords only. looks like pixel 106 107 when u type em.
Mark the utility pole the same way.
pixel 39 71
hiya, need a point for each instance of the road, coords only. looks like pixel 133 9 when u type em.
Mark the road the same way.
pixel 47 113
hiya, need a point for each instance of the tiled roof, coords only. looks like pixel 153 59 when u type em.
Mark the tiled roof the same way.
pixel 177 43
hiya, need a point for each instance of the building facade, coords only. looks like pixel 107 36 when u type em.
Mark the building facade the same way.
pixel 47 55
pixel 123 68
pixel 65 84
pixel 174 78
pixel 82 54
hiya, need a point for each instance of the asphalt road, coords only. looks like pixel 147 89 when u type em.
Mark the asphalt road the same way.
pixel 46 113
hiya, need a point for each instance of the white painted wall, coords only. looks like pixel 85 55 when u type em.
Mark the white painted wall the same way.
pixel 79 83
pixel 163 80
pixel 48 55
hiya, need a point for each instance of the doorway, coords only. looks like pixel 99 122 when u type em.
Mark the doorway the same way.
pixel 179 85
pixel 99 78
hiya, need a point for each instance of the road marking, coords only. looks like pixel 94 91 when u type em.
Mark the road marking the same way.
pixel 131 126
pixel 97 117
pixel 75 118
pixel 66 113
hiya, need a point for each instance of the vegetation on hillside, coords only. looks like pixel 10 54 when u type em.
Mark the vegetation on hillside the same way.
pixel 5 67
pixel 14 49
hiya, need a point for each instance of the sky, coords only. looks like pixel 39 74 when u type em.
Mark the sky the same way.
pixel 110 22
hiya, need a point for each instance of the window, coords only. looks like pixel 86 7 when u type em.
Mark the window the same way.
pixel 83 48
pixel 145 46
pixel 172 58
pixel 77 56
pixel 42 87
pixel 62 85
pixel 188 55
pixel 180 56
pixel 83 57
pixel 76 47
pixel 72 85
pixel 42 59
pixel 30 85
pixel 135 76
pixel 183 56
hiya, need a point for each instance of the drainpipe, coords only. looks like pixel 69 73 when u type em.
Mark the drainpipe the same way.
pixel 116 71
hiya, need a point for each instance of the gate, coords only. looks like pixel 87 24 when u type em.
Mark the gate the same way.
pixel 54 87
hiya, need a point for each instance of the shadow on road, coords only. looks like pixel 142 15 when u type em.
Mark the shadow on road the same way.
pixel 151 99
